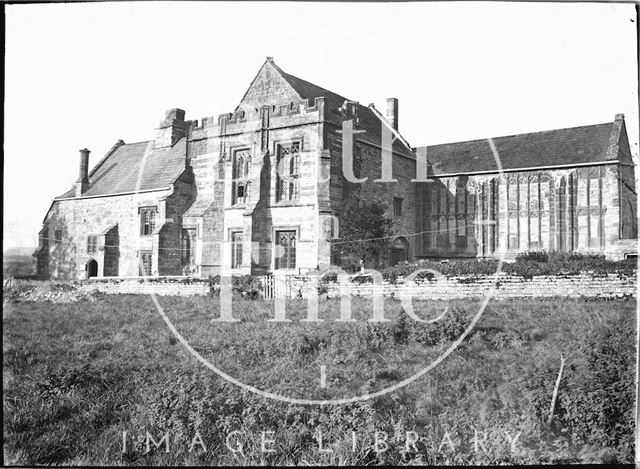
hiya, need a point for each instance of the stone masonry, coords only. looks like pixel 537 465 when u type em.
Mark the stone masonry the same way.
pixel 256 191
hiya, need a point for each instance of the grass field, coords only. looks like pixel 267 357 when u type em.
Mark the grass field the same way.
pixel 78 375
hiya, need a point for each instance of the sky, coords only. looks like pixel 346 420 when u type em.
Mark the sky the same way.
pixel 86 75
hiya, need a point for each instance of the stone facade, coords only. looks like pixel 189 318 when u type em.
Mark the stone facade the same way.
pixel 253 192
pixel 587 208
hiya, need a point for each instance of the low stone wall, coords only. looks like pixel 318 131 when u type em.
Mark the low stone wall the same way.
pixel 501 286
pixel 146 287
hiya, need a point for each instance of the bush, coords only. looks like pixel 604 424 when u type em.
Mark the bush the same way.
pixel 526 265
pixel 536 256
pixel 599 406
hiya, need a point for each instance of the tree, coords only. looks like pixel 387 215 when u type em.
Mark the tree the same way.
pixel 365 231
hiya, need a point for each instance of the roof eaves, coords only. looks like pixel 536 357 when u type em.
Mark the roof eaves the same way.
pixel 114 194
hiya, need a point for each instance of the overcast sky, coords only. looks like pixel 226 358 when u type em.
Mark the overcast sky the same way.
pixel 86 75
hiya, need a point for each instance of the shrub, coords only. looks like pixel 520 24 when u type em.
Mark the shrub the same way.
pixel 526 265
pixel 536 256
pixel 248 286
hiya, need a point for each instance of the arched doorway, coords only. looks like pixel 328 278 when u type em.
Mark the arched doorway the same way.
pixel 399 251
pixel 92 268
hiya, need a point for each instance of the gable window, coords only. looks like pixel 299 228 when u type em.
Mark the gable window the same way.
pixel 240 177
pixel 58 236
pixel 286 249
pixel 145 262
pixel 236 249
pixel 147 220
pixel 397 206
pixel 288 172
pixel 92 244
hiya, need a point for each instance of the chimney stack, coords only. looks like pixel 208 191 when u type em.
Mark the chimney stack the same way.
pixel 83 177
pixel 392 112
pixel 171 129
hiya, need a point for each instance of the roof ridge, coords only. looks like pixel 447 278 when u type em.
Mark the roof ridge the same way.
pixel 517 135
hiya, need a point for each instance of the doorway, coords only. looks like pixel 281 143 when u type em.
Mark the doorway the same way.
pixel 92 268
pixel 399 251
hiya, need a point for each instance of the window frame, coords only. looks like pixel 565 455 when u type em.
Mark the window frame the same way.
pixel 397 206
pixel 237 253
pixel 152 221
pixel 292 188
pixel 275 263
pixel 242 180
pixel 92 247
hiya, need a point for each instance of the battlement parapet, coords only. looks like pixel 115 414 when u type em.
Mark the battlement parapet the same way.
pixel 240 116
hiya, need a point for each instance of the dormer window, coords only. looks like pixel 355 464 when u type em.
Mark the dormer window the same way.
pixel 240 175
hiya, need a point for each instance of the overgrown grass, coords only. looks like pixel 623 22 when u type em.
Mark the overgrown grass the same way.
pixel 77 375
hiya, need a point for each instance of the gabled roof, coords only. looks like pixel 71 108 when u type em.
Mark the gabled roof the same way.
pixel 286 88
pixel 551 148
pixel 135 167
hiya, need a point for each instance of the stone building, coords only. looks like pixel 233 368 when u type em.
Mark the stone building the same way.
pixel 257 191
pixel 563 190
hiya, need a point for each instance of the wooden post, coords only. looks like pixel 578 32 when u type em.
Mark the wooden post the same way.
pixel 555 390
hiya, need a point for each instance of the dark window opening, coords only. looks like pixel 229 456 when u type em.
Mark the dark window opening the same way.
pixel 397 206
pixel 188 251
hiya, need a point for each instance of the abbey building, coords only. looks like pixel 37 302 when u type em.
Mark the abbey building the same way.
pixel 258 191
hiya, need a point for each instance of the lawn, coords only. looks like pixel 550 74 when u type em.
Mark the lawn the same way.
pixel 100 382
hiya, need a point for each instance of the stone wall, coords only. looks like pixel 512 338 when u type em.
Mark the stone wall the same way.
pixel 256 134
pixel 115 222
pixel 139 286
pixel 585 285
pixel 70 222
pixel 504 286
pixel 367 165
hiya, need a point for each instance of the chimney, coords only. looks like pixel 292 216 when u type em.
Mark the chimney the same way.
pixel 83 177
pixel 171 129
pixel 392 112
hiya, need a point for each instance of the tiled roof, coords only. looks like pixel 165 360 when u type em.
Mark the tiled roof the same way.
pixel 136 166
pixel 199 206
pixel 369 121
pixel 577 145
